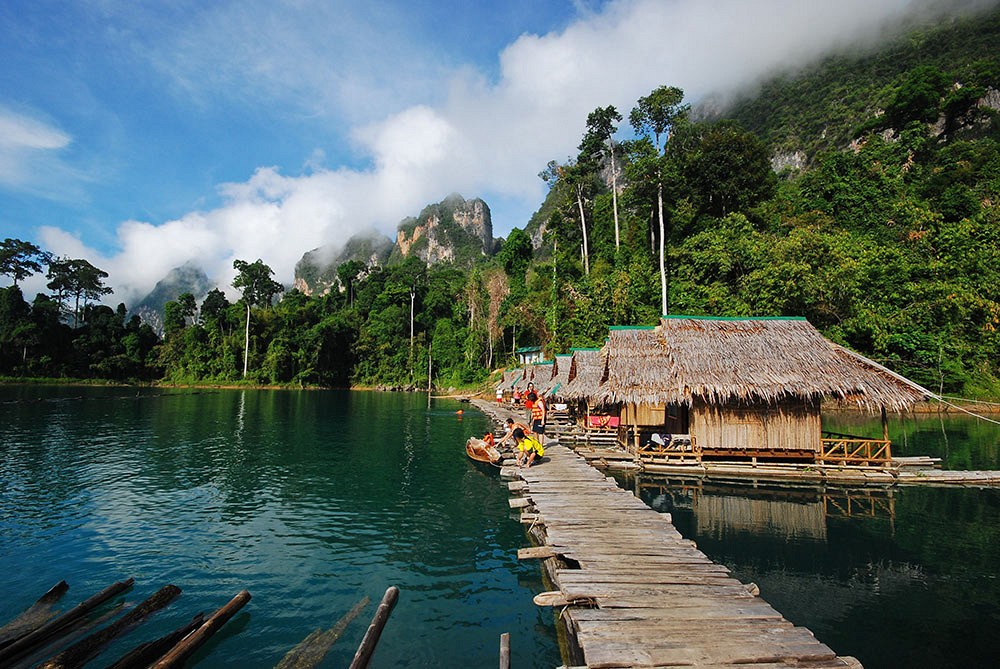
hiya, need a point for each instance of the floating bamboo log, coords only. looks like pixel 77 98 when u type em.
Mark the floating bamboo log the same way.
pixel 368 643
pixel 33 617
pixel 78 654
pixel 311 651
pixel 60 626
pixel 144 655
pixel 189 644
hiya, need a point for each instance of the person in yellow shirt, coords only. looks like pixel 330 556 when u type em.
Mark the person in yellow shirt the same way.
pixel 528 448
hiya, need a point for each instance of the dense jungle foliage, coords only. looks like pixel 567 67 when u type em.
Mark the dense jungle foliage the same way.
pixel 888 241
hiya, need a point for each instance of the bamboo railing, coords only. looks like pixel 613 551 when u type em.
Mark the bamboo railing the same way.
pixel 850 450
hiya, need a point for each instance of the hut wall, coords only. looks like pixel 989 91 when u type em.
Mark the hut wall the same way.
pixel 643 414
pixel 784 426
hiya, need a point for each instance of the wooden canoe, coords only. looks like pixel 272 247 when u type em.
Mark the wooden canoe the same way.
pixel 478 450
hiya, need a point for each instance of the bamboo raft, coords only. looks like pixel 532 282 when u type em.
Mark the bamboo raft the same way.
pixel 633 591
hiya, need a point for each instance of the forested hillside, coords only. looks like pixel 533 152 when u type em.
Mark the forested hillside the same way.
pixel 888 240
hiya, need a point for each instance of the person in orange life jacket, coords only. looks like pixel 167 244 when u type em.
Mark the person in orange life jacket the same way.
pixel 511 426
pixel 538 414
pixel 528 400
pixel 528 448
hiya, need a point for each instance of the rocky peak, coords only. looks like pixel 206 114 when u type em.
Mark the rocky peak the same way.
pixel 453 230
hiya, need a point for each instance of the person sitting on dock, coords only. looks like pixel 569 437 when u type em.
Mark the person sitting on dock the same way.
pixel 511 426
pixel 528 448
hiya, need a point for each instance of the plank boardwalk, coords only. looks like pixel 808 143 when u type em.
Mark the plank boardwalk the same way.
pixel 641 594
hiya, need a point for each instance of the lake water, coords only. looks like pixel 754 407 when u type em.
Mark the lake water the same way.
pixel 896 577
pixel 310 500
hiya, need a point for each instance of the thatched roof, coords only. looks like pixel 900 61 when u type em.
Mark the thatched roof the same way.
pixel 586 370
pixel 539 373
pixel 638 367
pixel 720 360
pixel 510 376
pixel 560 376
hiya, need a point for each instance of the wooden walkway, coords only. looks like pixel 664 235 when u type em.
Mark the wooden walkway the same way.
pixel 634 591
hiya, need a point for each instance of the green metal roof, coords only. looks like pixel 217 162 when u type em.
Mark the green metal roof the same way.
pixel 734 318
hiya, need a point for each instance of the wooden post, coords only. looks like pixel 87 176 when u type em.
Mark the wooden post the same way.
pixel 505 650
pixel 56 628
pixel 370 640
pixel 885 425
pixel 175 656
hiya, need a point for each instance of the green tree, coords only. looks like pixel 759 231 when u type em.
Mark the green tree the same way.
pixel 656 114
pixel 729 169
pixel 78 279
pixel 254 281
pixel 20 259
pixel 599 143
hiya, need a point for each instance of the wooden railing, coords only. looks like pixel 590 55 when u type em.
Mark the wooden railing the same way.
pixel 850 450
pixel 682 448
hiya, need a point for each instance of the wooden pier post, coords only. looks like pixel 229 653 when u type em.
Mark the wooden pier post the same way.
pixel 505 650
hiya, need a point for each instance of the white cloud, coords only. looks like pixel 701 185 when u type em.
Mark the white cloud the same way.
pixel 470 134
pixel 29 152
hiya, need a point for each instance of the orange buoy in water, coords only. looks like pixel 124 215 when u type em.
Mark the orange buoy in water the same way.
pixel 459 412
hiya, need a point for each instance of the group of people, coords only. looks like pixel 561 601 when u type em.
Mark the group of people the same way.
pixel 529 440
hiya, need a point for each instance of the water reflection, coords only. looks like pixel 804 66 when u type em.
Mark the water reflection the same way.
pixel 893 576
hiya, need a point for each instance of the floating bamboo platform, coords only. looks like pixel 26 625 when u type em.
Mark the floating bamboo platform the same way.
pixel 601 449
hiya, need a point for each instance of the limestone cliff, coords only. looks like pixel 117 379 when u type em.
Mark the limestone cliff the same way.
pixel 453 230
pixel 316 272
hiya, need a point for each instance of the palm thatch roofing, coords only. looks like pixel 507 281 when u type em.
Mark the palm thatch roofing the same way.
pixel 586 370
pixel 539 373
pixel 509 378
pixel 748 360
pixel 560 376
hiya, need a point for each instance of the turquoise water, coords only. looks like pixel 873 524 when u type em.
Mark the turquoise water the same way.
pixel 310 500
pixel 896 577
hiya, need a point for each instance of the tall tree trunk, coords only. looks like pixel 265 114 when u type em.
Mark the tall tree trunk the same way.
pixel 413 297
pixel 663 264
pixel 246 344
pixel 583 226
pixel 614 193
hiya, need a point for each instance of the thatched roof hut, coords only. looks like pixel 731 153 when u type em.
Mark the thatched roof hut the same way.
pixel 741 383
pixel 586 370
pixel 560 376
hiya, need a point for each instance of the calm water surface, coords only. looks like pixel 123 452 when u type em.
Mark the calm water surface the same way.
pixel 896 577
pixel 310 500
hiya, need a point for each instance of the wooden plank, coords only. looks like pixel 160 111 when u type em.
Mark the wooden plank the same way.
pixel 519 502
pixel 536 552
pixel 660 601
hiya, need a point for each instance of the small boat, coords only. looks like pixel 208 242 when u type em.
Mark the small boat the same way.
pixel 480 451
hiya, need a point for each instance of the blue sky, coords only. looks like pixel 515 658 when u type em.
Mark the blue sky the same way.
pixel 141 135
